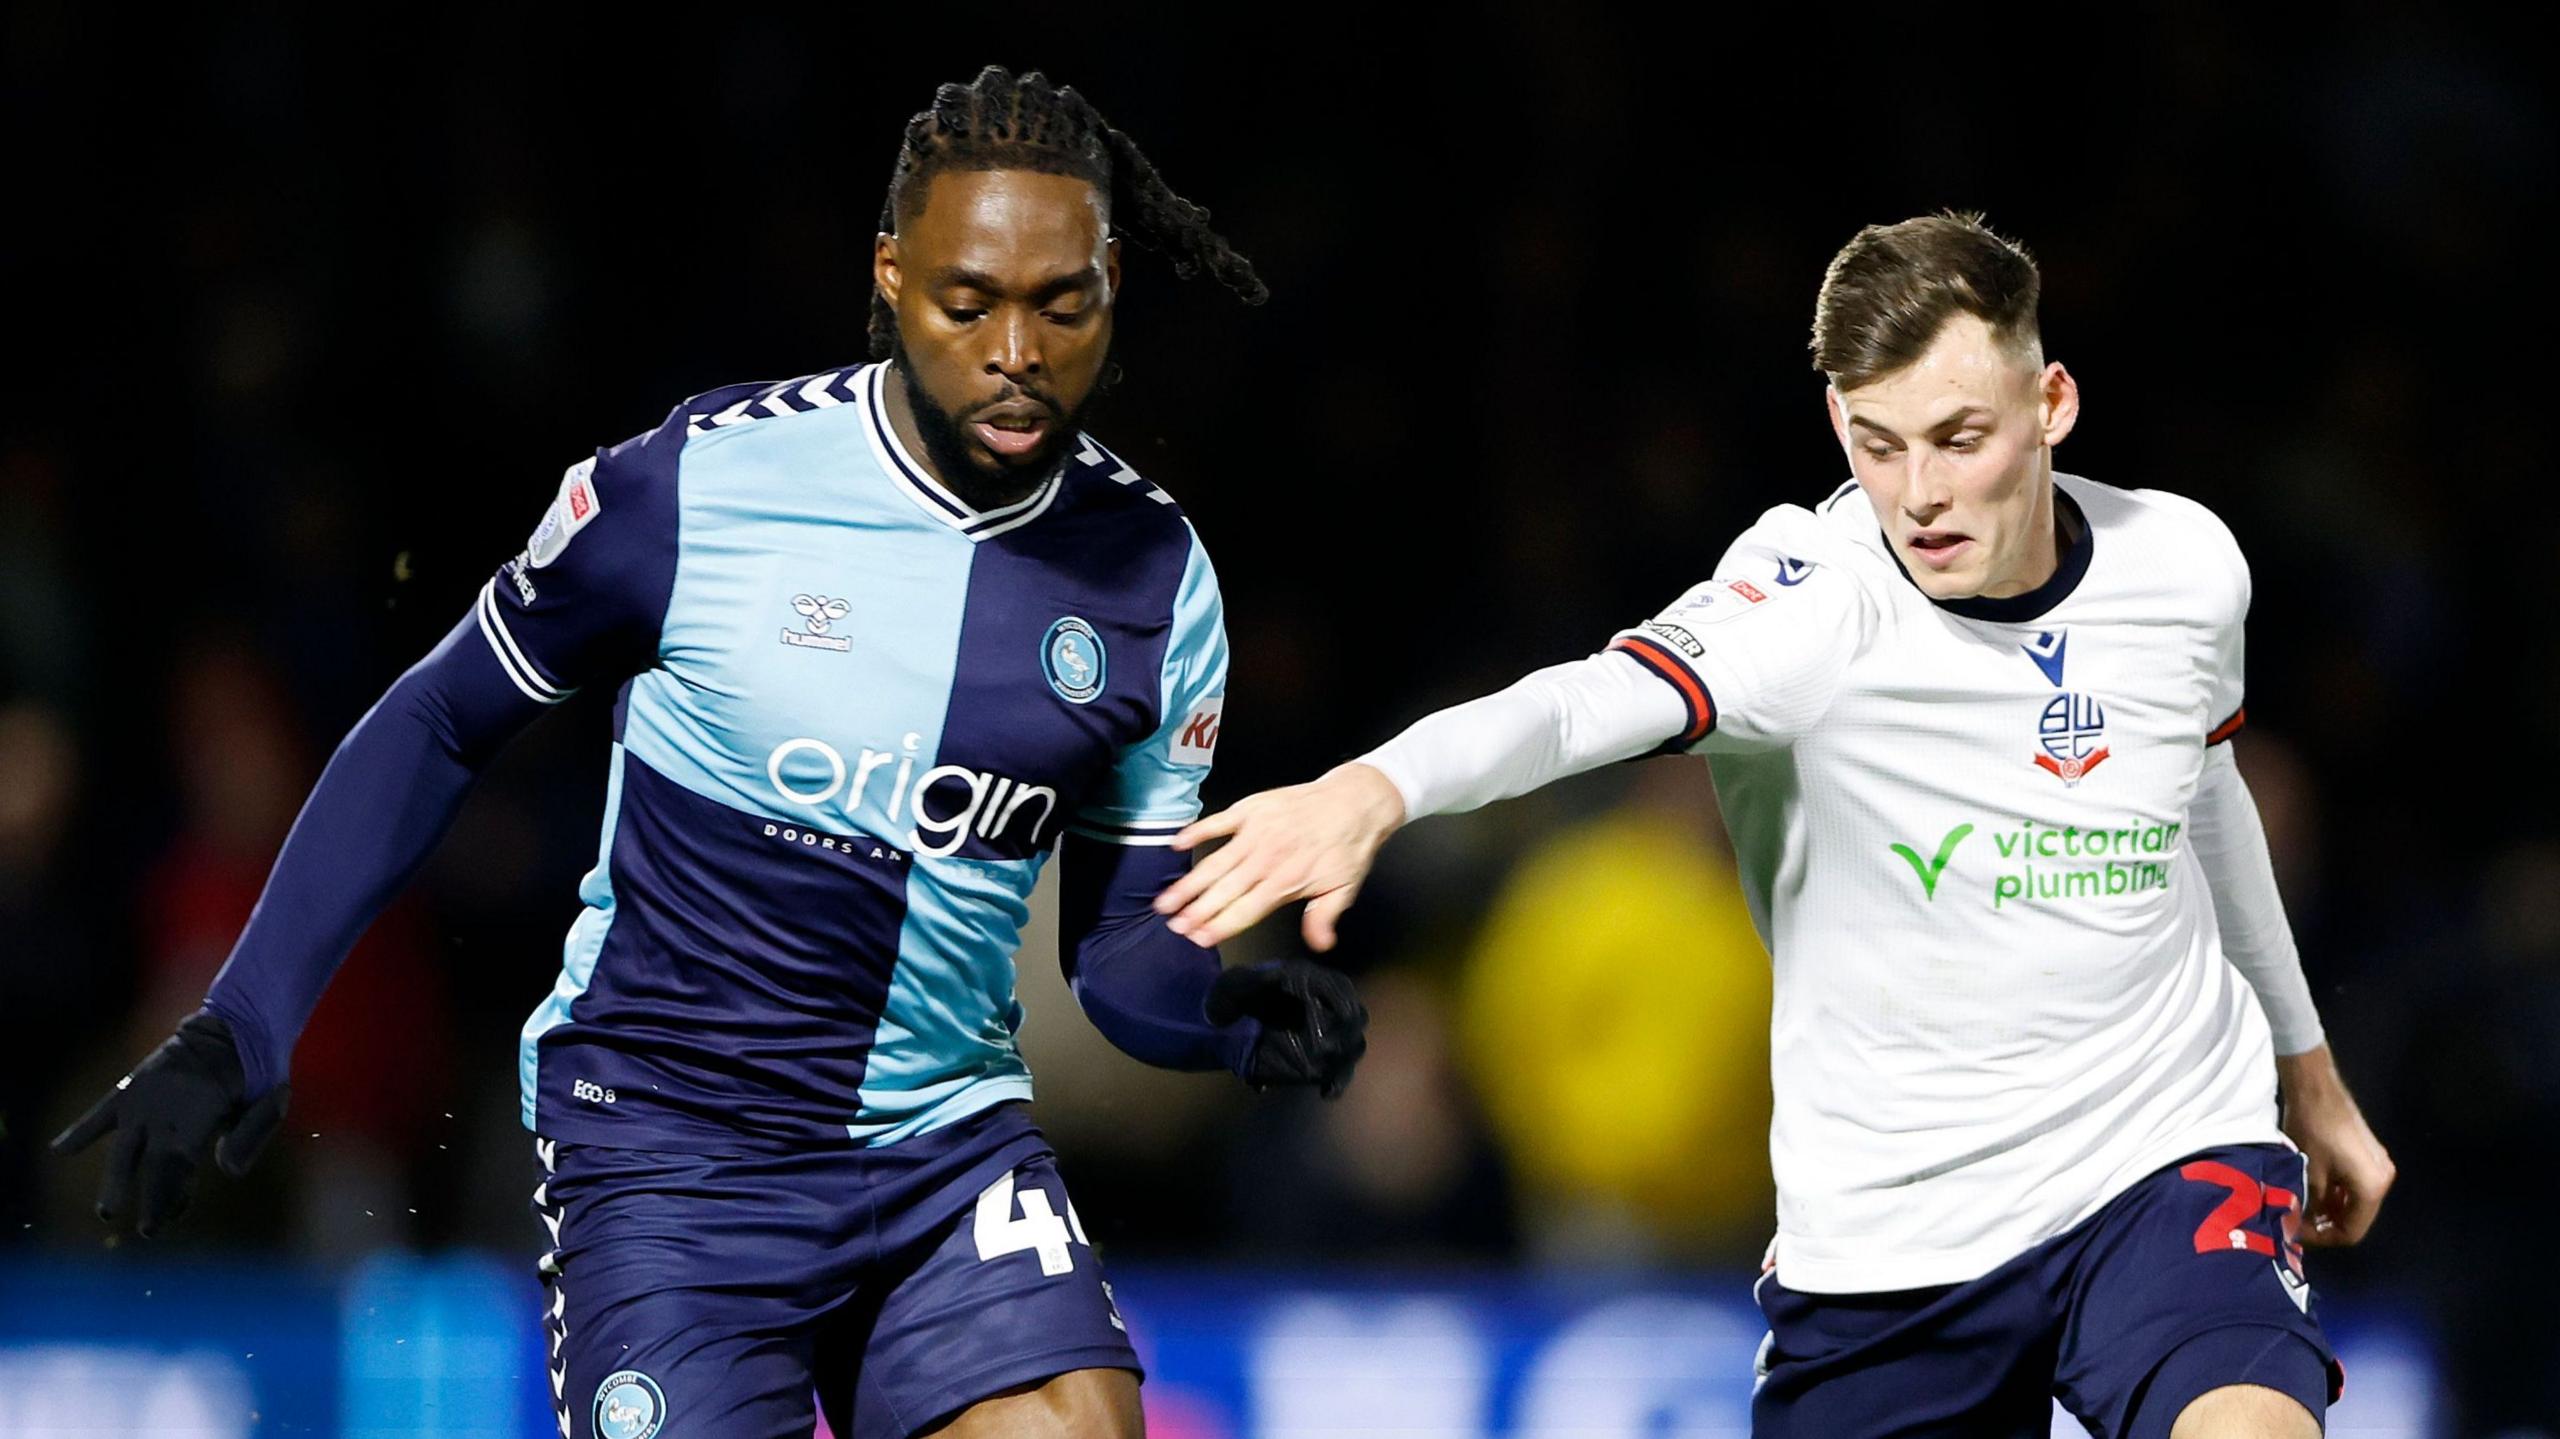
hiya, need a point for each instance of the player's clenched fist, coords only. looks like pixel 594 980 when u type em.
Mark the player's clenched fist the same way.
pixel 2349 1170
pixel 1314 1027
pixel 1307 841
pixel 166 1116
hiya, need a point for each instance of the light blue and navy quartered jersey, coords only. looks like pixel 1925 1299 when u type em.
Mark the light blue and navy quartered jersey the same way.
pixel 855 715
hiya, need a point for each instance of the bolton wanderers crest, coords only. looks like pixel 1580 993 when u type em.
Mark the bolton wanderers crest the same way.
pixel 1072 657
pixel 2072 731
pixel 2073 735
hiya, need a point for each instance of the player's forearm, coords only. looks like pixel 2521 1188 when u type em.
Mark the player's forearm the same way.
pixel 2230 844
pixel 1555 722
pixel 1146 990
pixel 1144 987
pixel 386 798
pixel 2310 1076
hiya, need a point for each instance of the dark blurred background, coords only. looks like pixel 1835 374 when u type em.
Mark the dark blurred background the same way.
pixel 307 309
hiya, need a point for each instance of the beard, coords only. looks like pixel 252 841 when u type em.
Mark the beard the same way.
pixel 981 480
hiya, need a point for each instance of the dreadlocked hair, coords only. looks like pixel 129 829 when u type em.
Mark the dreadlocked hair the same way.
pixel 1001 121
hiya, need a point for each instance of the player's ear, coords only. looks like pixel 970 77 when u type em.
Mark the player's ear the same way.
pixel 2058 402
pixel 1111 265
pixel 1839 412
pixel 884 267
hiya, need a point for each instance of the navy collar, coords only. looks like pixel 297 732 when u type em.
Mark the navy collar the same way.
pixel 2018 609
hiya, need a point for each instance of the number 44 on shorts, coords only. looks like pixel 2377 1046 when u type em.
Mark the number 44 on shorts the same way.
pixel 1039 1230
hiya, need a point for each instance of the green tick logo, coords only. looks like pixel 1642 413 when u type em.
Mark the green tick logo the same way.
pixel 1929 872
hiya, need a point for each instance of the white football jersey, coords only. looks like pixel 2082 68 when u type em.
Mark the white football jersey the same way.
pixel 2000 995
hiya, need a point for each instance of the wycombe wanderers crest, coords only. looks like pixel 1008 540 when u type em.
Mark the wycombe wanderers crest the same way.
pixel 2071 732
pixel 1071 656
pixel 629 1406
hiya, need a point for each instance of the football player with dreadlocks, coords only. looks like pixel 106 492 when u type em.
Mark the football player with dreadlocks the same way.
pixel 883 639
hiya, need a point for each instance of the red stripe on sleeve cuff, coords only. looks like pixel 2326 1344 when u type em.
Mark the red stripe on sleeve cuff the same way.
pixel 1693 693
pixel 2228 728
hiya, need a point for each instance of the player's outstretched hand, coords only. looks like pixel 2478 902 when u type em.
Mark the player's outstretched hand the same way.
pixel 1314 1027
pixel 2350 1170
pixel 166 1115
pixel 1311 841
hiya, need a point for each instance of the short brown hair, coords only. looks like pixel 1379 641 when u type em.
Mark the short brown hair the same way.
pixel 1893 287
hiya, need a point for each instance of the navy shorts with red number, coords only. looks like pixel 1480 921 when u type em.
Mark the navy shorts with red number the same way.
pixel 732 1296
pixel 2188 1281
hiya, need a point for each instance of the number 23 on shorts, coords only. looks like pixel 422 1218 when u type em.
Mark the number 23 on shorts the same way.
pixel 2245 1198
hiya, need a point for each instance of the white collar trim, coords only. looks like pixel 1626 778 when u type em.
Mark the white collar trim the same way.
pixel 929 494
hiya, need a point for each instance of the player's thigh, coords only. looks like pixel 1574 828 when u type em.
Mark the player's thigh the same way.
pixel 649 1330
pixel 1080 1404
pixel 1971 1360
pixel 679 1362
pixel 2245 1411
pixel 2192 1281
pixel 988 1305
pixel 2235 1382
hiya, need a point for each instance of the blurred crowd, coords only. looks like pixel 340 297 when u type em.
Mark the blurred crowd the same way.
pixel 316 315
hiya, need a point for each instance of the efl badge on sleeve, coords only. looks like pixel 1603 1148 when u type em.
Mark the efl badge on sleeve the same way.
pixel 576 504
pixel 1715 602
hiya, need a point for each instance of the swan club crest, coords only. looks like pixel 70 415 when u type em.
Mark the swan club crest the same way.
pixel 1072 657
pixel 629 1406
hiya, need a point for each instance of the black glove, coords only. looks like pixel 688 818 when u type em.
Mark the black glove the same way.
pixel 166 1115
pixel 1314 1028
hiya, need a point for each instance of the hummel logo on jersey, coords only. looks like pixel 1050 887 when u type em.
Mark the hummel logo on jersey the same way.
pixel 1791 571
pixel 818 613
pixel 2046 650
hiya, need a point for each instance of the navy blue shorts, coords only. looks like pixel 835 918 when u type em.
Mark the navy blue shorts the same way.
pixel 2188 1281
pixel 732 1297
